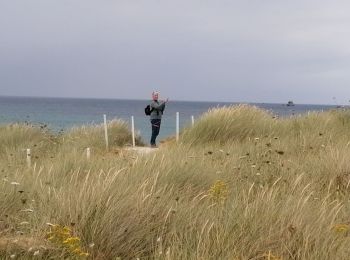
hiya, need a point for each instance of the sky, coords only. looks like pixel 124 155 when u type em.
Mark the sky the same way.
pixel 267 51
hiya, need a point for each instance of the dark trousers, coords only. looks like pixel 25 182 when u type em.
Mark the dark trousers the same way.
pixel 155 130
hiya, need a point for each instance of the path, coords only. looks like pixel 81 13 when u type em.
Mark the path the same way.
pixel 142 150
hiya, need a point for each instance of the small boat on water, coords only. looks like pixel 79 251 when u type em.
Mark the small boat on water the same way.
pixel 290 103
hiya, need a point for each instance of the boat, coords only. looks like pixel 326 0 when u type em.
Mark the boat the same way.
pixel 290 103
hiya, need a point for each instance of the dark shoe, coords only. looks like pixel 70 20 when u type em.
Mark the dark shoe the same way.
pixel 153 146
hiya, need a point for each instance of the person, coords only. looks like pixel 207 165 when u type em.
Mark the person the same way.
pixel 157 109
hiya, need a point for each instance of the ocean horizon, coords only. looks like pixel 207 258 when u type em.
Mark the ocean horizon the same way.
pixel 171 100
pixel 62 114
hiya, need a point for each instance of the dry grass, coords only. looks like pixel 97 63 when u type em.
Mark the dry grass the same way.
pixel 240 185
pixel 222 125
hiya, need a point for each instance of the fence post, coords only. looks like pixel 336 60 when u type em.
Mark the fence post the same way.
pixel 133 130
pixel 106 132
pixel 88 153
pixel 177 126
pixel 192 118
pixel 29 161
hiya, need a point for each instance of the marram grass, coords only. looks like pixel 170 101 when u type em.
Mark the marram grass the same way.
pixel 234 123
pixel 93 136
pixel 268 189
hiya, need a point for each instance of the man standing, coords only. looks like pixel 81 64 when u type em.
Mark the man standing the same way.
pixel 157 109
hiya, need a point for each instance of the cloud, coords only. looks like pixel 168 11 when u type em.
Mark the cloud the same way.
pixel 261 51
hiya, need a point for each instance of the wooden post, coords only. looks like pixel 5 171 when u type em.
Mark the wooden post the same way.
pixel 177 126
pixel 192 117
pixel 133 131
pixel 29 160
pixel 106 132
pixel 88 153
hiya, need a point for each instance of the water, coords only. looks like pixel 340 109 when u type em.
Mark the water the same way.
pixel 64 113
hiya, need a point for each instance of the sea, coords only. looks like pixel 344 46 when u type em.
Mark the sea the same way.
pixel 62 114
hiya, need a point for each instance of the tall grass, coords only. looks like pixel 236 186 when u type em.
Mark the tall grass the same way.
pixel 275 189
pixel 93 136
pixel 235 123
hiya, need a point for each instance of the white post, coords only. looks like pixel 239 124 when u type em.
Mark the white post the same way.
pixel 133 130
pixel 88 153
pixel 106 133
pixel 29 161
pixel 192 117
pixel 177 126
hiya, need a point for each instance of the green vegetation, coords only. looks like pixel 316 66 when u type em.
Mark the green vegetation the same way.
pixel 240 184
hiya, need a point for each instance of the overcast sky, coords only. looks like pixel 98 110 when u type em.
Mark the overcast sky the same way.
pixel 218 50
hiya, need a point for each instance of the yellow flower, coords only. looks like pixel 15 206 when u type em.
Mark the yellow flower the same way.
pixel 71 240
pixel 62 237
pixel 341 228
pixel 66 229
pixel 219 191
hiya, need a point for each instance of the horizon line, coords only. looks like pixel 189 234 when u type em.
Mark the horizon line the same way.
pixel 175 100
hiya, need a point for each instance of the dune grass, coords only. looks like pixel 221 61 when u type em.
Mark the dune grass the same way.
pixel 93 136
pixel 222 125
pixel 240 184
